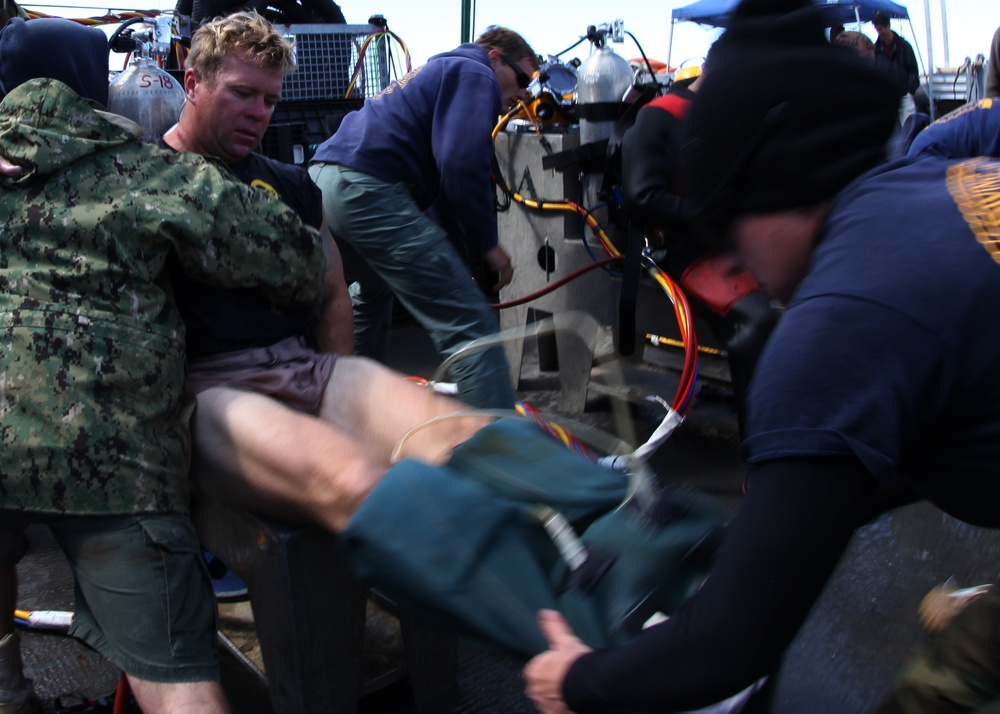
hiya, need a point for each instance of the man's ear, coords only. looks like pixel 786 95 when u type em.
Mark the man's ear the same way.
pixel 191 81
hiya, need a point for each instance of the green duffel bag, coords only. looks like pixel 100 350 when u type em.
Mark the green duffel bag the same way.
pixel 516 522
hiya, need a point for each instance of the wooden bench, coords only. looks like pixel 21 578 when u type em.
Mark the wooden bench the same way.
pixel 310 612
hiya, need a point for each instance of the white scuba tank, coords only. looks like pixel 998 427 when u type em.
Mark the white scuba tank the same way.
pixel 602 79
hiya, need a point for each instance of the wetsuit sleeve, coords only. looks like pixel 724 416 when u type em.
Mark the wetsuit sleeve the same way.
pixel 648 167
pixel 791 530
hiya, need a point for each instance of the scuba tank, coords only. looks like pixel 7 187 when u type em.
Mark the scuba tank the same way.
pixel 149 96
pixel 602 81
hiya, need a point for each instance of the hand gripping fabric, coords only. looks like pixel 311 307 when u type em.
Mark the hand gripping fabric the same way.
pixel 464 545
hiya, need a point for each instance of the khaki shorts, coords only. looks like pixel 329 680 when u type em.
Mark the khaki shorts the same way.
pixel 144 598
pixel 289 371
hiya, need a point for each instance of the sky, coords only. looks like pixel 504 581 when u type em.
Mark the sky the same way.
pixel 551 26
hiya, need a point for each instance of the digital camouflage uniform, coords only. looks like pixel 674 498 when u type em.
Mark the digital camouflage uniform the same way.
pixel 93 416
pixel 959 671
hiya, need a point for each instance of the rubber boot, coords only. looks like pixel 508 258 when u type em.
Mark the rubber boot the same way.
pixel 16 693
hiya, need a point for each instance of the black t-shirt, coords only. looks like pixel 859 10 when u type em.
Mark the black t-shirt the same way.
pixel 220 320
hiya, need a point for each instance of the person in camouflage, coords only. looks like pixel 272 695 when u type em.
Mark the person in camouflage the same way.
pixel 959 670
pixel 93 409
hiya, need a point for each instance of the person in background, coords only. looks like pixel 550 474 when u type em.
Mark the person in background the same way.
pixel 650 148
pixel 739 314
pixel 993 67
pixel 95 418
pixel 427 141
pixel 870 393
pixel 895 56
pixel 858 42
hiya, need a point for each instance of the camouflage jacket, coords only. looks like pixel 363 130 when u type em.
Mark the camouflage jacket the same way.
pixel 93 413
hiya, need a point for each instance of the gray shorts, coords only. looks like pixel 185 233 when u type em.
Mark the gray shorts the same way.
pixel 289 371
pixel 143 596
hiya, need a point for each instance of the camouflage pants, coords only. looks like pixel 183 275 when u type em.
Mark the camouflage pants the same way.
pixel 959 671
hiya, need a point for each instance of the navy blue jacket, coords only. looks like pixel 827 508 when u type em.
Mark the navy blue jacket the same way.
pixel 431 130
pixel 883 365
pixel 972 130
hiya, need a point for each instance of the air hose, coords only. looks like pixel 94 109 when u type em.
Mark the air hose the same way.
pixel 682 308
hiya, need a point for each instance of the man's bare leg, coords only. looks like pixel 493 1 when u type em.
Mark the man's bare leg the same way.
pixel 186 698
pixel 254 451
pixel 378 406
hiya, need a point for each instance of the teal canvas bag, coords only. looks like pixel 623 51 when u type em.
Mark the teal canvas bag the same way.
pixel 516 522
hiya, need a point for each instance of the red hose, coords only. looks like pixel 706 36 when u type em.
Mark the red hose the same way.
pixel 559 283
pixel 122 695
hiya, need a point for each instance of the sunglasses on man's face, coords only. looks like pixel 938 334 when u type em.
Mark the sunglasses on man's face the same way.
pixel 523 78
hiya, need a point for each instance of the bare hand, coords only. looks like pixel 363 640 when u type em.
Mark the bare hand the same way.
pixel 545 673
pixel 8 169
pixel 499 262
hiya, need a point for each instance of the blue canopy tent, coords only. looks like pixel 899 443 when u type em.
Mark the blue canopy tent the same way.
pixel 717 13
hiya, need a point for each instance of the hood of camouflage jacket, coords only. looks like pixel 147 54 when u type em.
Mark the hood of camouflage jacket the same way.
pixel 45 126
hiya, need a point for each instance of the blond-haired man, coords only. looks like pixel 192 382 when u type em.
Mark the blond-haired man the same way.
pixel 284 424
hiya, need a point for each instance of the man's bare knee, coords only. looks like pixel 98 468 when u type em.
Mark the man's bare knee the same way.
pixel 179 698
pixel 254 451
pixel 379 406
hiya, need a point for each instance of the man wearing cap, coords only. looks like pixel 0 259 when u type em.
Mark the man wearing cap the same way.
pixel 94 414
pixel 879 385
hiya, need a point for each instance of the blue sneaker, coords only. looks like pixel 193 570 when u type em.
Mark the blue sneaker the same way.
pixel 228 585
